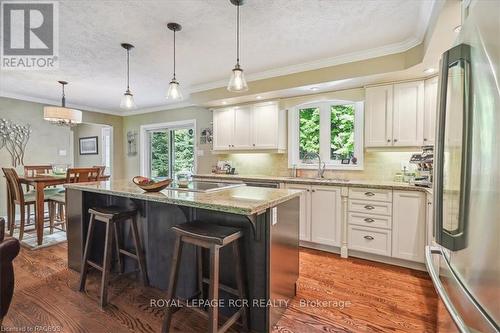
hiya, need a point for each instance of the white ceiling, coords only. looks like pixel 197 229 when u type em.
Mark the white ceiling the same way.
pixel 277 37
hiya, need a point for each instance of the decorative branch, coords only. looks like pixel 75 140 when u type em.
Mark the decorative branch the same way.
pixel 14 138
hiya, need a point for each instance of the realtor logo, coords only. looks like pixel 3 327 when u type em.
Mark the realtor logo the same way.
pixel 29 35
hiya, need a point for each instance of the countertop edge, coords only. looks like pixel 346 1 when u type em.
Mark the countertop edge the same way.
pixel 167 200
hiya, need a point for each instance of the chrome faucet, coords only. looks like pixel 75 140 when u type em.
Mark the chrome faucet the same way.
pixel 309 156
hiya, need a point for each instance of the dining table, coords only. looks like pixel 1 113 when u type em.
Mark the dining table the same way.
pixel 40 182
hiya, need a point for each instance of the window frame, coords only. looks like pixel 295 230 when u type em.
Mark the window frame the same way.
pixel 325 135
pixel 145 153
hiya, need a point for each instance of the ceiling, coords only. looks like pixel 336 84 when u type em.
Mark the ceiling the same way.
pixel 277 37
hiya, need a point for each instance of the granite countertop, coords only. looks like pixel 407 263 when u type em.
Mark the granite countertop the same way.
pixel 317 181
pixel 241 200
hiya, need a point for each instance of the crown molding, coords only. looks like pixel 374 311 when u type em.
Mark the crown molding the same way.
pixel 328 62
pixel 167 107
pixel 53 102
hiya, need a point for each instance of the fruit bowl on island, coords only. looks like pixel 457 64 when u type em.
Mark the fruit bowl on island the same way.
pixel 149 185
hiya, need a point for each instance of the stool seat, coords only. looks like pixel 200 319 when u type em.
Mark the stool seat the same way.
pixel 207 232
pixel 113 212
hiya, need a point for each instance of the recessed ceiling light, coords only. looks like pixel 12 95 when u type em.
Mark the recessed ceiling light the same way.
pixel 224 102
pixel 259 97
pixel 429 70
pixel 457 28
pixel 314 88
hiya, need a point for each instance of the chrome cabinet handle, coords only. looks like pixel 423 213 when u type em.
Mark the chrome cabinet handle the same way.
pixel 369 194
pixel 368 237
pixel 369 220
pixel 369 207
pixel 425 139
pixel 254 144
pixel 388 140
pixel 395 140
pixel 314 190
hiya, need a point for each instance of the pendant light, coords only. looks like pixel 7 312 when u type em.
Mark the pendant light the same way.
pixel 128 99
pixel 174 92
pixel 237 81
pixel 61 115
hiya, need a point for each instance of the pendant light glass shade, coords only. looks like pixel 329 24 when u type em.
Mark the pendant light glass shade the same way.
pixel 237 81
pixel 127 101
pixel 174 92
pixel 61 115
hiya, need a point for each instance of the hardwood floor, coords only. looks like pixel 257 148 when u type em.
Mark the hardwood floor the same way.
pixel 376 298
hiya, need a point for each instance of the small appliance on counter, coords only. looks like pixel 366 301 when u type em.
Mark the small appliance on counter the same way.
pixel 424 162
pixel 224 167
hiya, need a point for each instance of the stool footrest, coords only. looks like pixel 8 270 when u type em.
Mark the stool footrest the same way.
pixel 95 265
pixel 129 254
pixel 224 287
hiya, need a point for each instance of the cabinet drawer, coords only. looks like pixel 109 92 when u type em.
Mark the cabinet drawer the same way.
pixel 370 207
pixel 371 240
pixel 368 220
pixel 374 194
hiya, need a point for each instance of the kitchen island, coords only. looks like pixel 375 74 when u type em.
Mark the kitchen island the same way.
pixel 269 219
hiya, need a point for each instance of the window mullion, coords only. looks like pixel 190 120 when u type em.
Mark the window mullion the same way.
pixel 324 132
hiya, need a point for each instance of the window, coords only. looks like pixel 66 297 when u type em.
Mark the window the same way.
pixel 331 130
pixel 169 149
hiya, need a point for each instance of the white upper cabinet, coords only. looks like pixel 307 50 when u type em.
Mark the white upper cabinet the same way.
pixel 242 137
pixel 408 114
pixel 378 116
pixel 251 127
pixel 224 127
pixel 394 115
pixel 430 107
pixel 408 225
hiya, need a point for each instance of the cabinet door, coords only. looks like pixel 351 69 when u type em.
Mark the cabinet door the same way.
pixel 326 212
pixel 430 221
pixel 430 107
pixel 305 211
pixel 408 115
pixel 408 225
pixel 265 126
pixel 378 116
pixel 242 137
pixel 223 129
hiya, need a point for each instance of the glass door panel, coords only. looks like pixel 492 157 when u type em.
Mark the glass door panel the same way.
pixel 159 147
pixel 183 150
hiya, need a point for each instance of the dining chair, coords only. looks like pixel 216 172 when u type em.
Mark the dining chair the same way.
pixel 73 175
pixel 102 169
pixel 33 171
pixel 19 198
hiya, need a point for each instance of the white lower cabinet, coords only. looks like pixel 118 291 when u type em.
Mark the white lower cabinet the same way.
pixel 326 215
pixel 408 225
pixel 373 240
pixel 320 214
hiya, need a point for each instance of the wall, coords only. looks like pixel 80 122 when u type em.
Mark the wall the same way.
pixel 203 119
pixel 86 130
pixel 47 140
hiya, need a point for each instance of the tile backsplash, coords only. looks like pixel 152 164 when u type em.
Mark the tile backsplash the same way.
pixel 381 165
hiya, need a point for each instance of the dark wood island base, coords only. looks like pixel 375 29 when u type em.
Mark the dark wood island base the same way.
pixel 269 246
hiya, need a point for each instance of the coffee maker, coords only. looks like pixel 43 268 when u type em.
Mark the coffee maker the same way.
pixel 424 162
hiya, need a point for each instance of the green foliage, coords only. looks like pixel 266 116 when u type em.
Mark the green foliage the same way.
pixel 184 152
pixel 308 131
pixel 159 154
pixel 342 131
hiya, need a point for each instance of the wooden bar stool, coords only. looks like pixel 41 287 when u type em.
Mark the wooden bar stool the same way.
pixel 112 216
pixel 212 237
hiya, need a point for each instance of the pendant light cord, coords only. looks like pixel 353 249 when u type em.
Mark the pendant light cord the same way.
pixel 128 70
pixel 238 35
pixel 174 54
pixel 63 97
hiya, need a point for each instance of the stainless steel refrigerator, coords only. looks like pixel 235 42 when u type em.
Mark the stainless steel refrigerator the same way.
pixel 464 264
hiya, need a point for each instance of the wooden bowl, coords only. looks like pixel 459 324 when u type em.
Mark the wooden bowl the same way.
pixel 150 185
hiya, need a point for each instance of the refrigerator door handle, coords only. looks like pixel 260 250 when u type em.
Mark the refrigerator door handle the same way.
pixel 456 240
pixel 429 251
